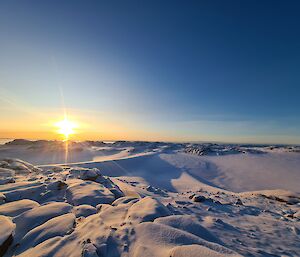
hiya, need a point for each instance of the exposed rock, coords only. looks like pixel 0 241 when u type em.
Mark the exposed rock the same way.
pixel 2 198
pixel 239 202
pixel 89 250
pixel 57 169
pixel 7 181
pixel 90 174
pixel 199 198
pixel 102 207
pixel 124 200
pixel 297 215
pixel 191 196
pixel 57 185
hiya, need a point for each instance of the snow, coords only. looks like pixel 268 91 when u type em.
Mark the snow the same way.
pixel 166 238
pixel 37 216
pixel 57 226
pixel 7 228
pixel 196 251
pixel 15 208
pixel 84 210
pixel 149 199
pixel 22 190
pixel 188 224
pixel 146 209
pixel 88 192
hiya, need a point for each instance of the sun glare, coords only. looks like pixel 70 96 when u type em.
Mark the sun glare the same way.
pixel 66 128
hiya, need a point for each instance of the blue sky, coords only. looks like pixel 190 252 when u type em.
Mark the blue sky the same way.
pixel 170 70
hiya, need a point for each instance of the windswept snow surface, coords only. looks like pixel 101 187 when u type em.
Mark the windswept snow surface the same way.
pixel 149 199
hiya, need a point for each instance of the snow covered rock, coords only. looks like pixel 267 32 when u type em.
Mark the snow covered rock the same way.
pixel 89 250
pixel 57 226
pixel 146 209
pixel 56 169
pixel 102 206
pixel 7 181
pixel 96 176
pixel 238 202
pixel 6 172
pixel 84 210
pixel 6 233
pixel 57 185
pixel 296 230
pixel 37 216
pixel 23 190
pixel 189 224
pixel 288 197
pixel 91 232
pixel 153 239
pixel 90 174
pixel 197 251
pixel 142 227
pixel 296 215
pixel 19 166
pixel 85 173
pixel 88 192
pixel 2 198
pixel 199 198
pixel 112 188
pixel 124 200
pixel 15 208
pixel 4 164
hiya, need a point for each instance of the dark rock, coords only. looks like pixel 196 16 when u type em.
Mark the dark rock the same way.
pixel 199 198
pixel 191 196
pixel 5 245
pixel 239 202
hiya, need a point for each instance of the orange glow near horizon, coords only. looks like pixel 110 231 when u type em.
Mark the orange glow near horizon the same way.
pixel 66 128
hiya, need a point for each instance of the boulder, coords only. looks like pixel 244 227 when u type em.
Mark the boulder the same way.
pixel 15 208
pixel 88 192
pixel 7 228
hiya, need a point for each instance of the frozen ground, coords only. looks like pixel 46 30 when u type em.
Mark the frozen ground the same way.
pixel 149 199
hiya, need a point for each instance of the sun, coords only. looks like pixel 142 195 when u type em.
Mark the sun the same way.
pixel 66 128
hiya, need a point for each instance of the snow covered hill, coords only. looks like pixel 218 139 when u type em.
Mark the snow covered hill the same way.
pixel 152 200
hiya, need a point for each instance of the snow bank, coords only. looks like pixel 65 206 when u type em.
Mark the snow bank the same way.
pixel 79 211
pixel 197 251
pixel 6 232
pixel 58 226
pixel 84 210
pixel 18 166
pixel 37 216
pixel 88 192
pixel 17 207
pixel 146 209
pixel 188 224
pixel 7 229
pixel 166 238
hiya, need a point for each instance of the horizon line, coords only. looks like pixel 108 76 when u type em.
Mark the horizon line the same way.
pixel 163 141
